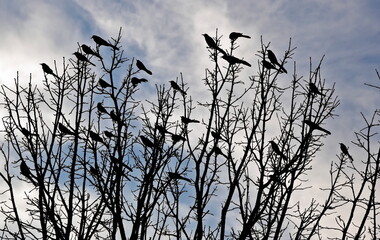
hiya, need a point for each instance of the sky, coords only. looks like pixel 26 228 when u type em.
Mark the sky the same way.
pixel 166 35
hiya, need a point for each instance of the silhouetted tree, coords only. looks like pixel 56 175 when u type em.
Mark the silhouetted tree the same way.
pixel 98 162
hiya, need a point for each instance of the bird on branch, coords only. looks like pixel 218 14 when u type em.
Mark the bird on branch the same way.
pixel 277 150
pixel 95 137
pixel 142 67
pixel 212 44
pixel 268 65
pixel 103 84
pixel 82 58
pixel 186 120
pixel 25 171
pixel 100 108
pixel 27 133
pixel 272 58
pixel 136 81
pixel 146 142
pixel 109 134
pixel 344 150
pixel 86 49
pixel 235 35
pixel 176 176
pixel 101 42
pixel 234 60
pixel 176 138
pixel 176 87
pixel 65 130
pixel 47 69
pixel 314 89
pixel 314 126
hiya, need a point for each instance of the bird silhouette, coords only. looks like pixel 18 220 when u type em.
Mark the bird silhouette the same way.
pixel 272 58
pixel 216 135
pixel 114 116
pixel 161 129
pixel 235 35
pixel 212 44
pixel 65 130
pixel 136 81
pixel 268 65
pixel 100 108
pixel 82 58
pixel 176 138
pixel 47 69
pixel 314 89
pixel 27 133
pixel 218 151
pixel 176 176
pixel 147 142
pixel 276 149
pixel 25 171
pixel 176 87
pixel 119 161
pixel 101 42
pixel 344 150
pixel 186 120
pixel 95 137
pixel 314 126
pixel 142 67
pixel 86 49
pixel 94 171
pixel 104 84
pixel 234 60
pixel 109 134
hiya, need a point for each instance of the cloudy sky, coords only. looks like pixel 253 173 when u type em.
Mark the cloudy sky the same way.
pixel 166 35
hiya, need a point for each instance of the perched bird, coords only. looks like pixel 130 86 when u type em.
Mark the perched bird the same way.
pixel 212 44
pixel 176 87
pixel 142 67
pixel 176 176
pixel 273 60
pixel 119 161
pixel 276 149
pixel 235 35
pixel 176 138
pixel 136 81
pixel 104 84
pixel 65 130
pixel 344 150
pixel 115 117
pixel 234 60
pixel 147 142
pixel 24 169
pixel 94 136
pixel 313 126
pixel 86 49
pixel 218 151
pixel 186 120
pixel 161 129
pixel 82 58
pixel 47 69
pixel 101 42
pixel 100 108
pixel 268 65
pixel 109 134
pixel 314 89
pixel 27 133
pixel 216 135
pixel 94 171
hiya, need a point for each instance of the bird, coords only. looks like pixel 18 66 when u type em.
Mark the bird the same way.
pixel 27 133
pixel 136 81
pixel 86 49
pixel 104 84
pixel 94 136
pixel 314 89
pixel 216 135
pixel 161 129
pixel 94 171
pixel 101 42
pixel 211 44
pixel 65 130
pixel 109 134
pixel 142 67
pixel 119 161
pixel 24 169
pixel 268 65
pixel 186 120
pixel 176 138
pixel 276 149
pixel 273 60
pixel 218 151
pixel 47 69
pixel 82 58
pixel 114 116
pixel 176 176
pixel 313 126
pixel 147 142
pixel 176 87
pixel 235 35
pixel 234 60
pixel 100 108
pixel 344 150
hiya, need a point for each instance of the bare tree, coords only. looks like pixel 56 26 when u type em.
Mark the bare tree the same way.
pixel 100 163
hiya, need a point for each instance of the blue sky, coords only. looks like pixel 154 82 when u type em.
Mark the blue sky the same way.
pixel 166 35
